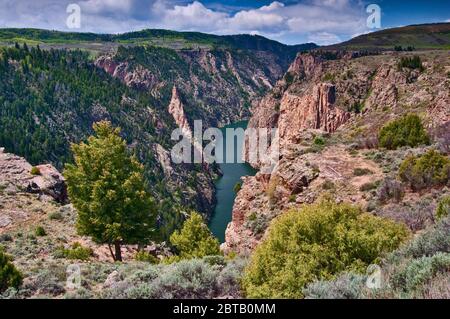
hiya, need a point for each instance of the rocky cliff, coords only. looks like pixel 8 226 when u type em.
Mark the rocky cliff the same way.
pixel 23 185
pixel 328 109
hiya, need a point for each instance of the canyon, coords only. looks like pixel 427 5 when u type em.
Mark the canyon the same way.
pixel 342 99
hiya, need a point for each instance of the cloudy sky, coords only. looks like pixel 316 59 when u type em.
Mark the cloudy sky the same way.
pixel 288 21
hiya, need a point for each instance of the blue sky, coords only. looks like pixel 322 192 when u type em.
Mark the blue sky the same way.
pixel 288 21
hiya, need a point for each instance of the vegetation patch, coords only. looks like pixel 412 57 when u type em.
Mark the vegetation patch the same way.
pixel 406 131
pixel 195 240
pixel 75 252
pixel 318 242
pixel 9 275
pixel 362 171
pixel 414 63
pixel 35 171
pixel 443 209
pixel 427 170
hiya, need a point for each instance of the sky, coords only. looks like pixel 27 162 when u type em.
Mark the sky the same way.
pixel 288 21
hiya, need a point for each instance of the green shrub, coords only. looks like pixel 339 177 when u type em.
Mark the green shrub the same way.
pixel 317 243
pixel 390 189
pixel 368 187
pixel 35 171
pixel 428 170
pixel 406 131
pixel 75 252
pixel 411 63
pixel 319 140
pixel 347 286
pixel 237 187
pixel 40 231
pixel 419 271
pixel 55 216
pixel 328 185
pixel 195 240
pixel 329 77
pixel 9 275
pixel 443 209
pixel 356 107
pixel 362 171
pixel 146 257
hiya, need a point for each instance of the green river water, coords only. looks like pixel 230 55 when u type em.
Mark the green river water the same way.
pixel 225 194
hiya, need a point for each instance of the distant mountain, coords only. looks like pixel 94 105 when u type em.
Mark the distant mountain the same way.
pixel 157 37
pixel 424 36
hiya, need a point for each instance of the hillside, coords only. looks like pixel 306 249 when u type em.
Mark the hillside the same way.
pixel 155 37
pixel 51 97
pixel 424 36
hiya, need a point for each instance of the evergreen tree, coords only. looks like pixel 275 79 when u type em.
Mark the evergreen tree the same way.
pixel 107 187
pixel 9 275
pixel 195 240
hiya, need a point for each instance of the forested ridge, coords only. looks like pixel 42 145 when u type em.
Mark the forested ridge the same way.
pixel 51 98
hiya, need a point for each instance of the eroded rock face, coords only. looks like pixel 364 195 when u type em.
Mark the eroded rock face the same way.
pixel 16 172
pixel 139 77
pixel 341 94
pixel 177 110
pixel 310 111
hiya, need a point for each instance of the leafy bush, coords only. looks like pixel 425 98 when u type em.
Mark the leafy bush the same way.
pixel 146 257
pixel 347 286
pixel 390 189
pixel 75 252
pixel 40 231
pixel 317 242
pixel 55 216
pixel 194 278
pixel 195 240
pixel 427 170
pixel 419 271
pixel 443 209
pixel 362 171
pixel 5 237
pixel 416 215
pixel 318 140
pixel 9 275
pixel 35 171
pixel 406 131
pixel 237 187
pixel 368 187
pixel 328 185
pixel 257 223
pixel 411 63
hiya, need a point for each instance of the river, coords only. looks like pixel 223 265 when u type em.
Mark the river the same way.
pixel 225 193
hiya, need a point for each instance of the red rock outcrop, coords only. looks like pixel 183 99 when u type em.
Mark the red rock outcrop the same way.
pixel 16 173
pixel 315 110
pixel 138 78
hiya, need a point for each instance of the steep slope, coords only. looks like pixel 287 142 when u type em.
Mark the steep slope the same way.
pixel 217 86
pixel 51 98
pixel 424 36
pixel 328 109
pixel 155 37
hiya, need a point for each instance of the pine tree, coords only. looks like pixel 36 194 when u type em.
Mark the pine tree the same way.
pixel 107 187
pixel 9 275
pixel 195 240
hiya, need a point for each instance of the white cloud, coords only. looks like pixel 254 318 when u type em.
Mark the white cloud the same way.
pixel 324 38
pixel 295 23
